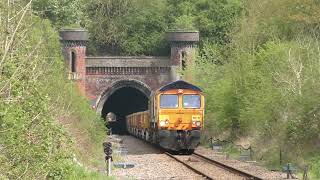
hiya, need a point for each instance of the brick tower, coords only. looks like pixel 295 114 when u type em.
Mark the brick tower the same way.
pixel 183 45
pixel 74 51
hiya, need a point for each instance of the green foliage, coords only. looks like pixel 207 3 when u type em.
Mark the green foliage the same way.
pixel 138 27
pixel 80 173
pixel 264 84
pixel 34 142
pixel 59 12
pixel 286 20
pixel 258 64
pixel 213 18
pixel 183 22
pixel 127 27
pixel 316 166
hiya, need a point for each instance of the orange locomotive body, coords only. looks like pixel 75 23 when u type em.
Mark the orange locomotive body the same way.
pixel 174 120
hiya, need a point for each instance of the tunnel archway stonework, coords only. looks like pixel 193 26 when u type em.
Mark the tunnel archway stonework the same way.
pixel 122 98
pixel 132 83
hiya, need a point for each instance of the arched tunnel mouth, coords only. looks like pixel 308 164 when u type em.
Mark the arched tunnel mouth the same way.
pixel 122 102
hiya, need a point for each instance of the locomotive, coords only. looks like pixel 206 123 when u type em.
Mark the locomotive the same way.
pixel 174 119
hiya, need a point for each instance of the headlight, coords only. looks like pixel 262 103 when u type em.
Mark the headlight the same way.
pixel 198 123
pixel 163 120
pixel 163 117
pixel 162 123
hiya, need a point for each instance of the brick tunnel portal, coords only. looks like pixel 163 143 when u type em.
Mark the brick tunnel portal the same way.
pixel 122 101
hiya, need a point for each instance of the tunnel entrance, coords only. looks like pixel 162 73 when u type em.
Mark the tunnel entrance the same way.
pixel 122 101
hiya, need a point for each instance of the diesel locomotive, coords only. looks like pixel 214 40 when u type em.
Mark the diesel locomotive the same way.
pixel 174 119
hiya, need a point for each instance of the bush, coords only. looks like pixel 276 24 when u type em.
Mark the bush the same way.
pixel 34 144
pixel 264 89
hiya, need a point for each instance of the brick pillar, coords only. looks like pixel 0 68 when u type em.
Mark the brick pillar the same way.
pixel 74 51
pixel 183 45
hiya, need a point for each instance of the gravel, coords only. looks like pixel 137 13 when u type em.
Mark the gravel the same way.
pixel 209 169
pixel 248 167
pixel 150 163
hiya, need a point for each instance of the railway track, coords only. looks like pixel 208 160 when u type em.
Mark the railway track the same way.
pixel 211 169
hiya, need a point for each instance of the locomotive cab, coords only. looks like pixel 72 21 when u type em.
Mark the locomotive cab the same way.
pixel 178 113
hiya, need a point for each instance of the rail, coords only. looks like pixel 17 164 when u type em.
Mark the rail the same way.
pixel 189 167
pixel 215 163
pixel 229 168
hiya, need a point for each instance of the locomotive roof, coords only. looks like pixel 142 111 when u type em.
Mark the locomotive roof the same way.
pixel 180 84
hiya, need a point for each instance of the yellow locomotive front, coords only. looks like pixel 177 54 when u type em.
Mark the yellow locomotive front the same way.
pixel 179 113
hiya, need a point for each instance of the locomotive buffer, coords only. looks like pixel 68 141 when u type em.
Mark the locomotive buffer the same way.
pixel 107 148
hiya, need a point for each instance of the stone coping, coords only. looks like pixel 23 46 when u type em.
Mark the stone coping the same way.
pixel 128 61
pixel 74 35
pixel 183 36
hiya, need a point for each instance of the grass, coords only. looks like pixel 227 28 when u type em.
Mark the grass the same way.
pixel 81 173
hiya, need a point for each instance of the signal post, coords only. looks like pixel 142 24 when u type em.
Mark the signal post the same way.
pixel 107 148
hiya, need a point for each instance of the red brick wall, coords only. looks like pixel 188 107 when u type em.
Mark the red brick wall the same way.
pixel 176 56
pixel 97 84
pixel 80 52
pixel 93 85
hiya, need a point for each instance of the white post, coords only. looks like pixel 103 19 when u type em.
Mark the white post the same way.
pixel 109 167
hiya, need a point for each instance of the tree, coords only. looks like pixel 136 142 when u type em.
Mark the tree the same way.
pixel 213 18
pixel 60 12
pixel 127 27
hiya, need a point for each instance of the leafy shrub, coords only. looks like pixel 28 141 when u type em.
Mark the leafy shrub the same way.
pixel 34 96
